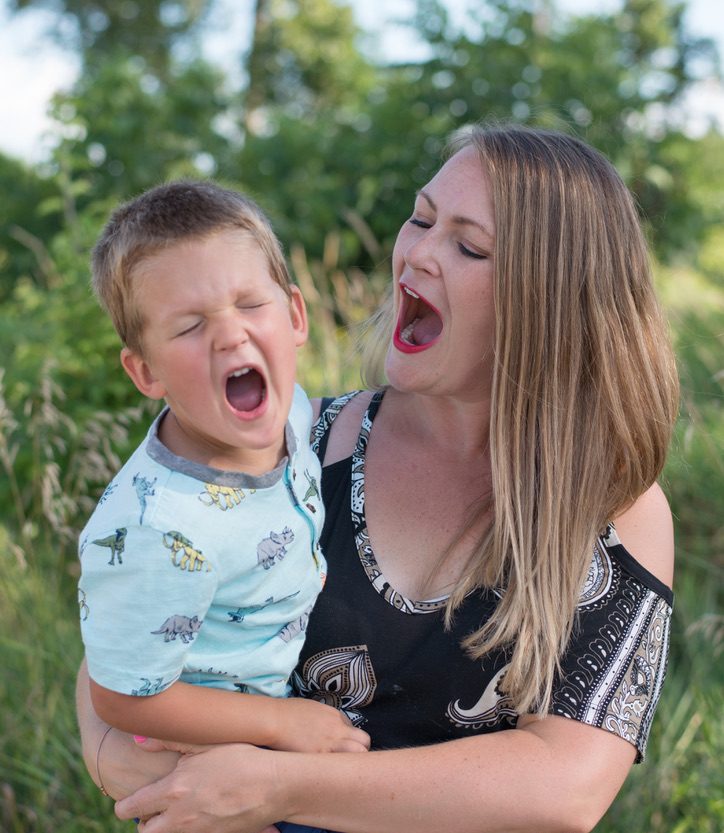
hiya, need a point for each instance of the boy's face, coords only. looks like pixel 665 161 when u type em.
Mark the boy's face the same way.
pixel 219 340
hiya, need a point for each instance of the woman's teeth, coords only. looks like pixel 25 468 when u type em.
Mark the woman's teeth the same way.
pixel 406 334
pixel 242 372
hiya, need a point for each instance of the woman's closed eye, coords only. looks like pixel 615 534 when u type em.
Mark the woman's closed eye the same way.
pixel 471 252
pixel 417 221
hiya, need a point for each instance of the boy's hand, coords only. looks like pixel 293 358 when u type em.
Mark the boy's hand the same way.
pixel 308 726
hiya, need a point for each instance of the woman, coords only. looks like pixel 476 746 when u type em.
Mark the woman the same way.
pixel 506 476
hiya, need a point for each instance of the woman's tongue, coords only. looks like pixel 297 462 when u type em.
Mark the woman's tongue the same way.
pixel 423 330
pixel 245 392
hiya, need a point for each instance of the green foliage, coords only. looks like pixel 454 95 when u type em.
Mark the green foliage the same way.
pixel 148 28
pixel 678 789
pixel 333 144
pixel 25 221
pixel 125 128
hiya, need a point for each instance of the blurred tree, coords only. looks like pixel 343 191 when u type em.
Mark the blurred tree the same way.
pixel 328 150
pixel 326 138
pixel 123 128
pixel 305 108
pixel 616 79
pixel 99 29
pixel 304 58
pixel 26 219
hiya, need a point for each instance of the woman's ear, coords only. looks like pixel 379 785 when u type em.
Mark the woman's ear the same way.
pixel 141 374
pixel 298 311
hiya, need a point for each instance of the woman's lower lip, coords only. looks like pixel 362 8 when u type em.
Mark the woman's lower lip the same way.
pixel 405 347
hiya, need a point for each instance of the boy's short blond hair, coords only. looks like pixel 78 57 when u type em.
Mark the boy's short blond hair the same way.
pixel 158 218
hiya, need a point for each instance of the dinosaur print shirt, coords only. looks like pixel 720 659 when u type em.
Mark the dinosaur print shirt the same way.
pixel 203 575
pixel 391 665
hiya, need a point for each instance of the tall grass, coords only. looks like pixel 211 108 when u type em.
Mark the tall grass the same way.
pixel 43 785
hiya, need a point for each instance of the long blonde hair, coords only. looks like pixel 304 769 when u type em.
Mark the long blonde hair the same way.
pixel 584 392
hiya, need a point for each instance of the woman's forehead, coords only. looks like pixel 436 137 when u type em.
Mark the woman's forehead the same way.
pixel 462 187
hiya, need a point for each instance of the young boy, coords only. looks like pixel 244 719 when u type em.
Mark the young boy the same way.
pixel 201 562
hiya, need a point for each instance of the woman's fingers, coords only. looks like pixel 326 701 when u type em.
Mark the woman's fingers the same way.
pixel 144 803
pixel 155 745
pixel 229 788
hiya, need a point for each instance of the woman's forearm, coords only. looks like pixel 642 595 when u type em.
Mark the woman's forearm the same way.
pixel 112 759
pixel 556 777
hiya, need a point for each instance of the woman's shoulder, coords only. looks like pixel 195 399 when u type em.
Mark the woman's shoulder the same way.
pixel 344 426
pixel 646 531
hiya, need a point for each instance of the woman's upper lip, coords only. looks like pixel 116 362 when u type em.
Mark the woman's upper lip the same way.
pixel 418 296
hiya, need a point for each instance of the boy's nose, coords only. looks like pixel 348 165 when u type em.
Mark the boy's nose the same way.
pixel 230 333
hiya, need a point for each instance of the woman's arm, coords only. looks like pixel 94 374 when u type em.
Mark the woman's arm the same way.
pixel 647 532
pixel 551 775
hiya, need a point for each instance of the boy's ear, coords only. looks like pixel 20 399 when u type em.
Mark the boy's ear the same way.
pixel 141 375
pixel 298 311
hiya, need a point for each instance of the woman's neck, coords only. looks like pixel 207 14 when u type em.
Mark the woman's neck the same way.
pixel 455 427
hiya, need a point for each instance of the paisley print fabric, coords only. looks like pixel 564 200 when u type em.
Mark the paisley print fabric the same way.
pixel 391 665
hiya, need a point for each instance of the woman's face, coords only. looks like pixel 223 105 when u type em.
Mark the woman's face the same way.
pixel 443 286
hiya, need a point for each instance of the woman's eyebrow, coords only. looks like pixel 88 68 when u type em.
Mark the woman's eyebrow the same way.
pixel 458 219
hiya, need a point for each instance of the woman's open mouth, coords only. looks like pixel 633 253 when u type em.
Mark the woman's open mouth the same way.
pixel 245 391
pixel 419 324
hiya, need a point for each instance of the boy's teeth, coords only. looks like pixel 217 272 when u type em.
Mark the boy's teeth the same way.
pixel 241 372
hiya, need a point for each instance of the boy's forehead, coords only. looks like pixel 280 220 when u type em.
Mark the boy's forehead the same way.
pixel 232 261
pixel 231 242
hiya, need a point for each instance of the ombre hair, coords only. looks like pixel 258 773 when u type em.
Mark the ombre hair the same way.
pixel 162 217
pixel 584 392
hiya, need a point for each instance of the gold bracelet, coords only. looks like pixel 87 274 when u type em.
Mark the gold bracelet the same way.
pixel 98 761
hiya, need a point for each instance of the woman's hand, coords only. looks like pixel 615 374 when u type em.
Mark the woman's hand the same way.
pixel 230 788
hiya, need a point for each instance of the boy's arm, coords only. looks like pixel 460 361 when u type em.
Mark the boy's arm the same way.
pixel 199 714
pixel 114 762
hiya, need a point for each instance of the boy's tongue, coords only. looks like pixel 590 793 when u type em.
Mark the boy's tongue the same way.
pixel 245 393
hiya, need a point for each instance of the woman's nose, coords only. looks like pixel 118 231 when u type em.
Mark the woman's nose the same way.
pixel 421 253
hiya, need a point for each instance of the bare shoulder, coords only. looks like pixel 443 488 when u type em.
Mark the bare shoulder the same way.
pixel 345 429
pixel 646 529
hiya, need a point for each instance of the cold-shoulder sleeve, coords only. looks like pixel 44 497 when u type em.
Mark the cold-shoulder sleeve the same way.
pixel 614 667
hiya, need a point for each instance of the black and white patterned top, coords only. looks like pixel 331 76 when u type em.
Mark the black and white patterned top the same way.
pixel 390 664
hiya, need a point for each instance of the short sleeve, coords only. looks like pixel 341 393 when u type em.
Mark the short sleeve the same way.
pixel 615 665
pixel 143 604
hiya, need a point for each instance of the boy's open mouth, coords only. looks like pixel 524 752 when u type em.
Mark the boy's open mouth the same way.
pixel 245 389
pixel 419 324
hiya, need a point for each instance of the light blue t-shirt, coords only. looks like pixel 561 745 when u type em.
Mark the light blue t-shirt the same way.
pixel 208 576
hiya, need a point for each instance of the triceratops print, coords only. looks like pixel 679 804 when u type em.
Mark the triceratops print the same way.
pixel 185 627
pixel 294 628
pixel 274 547
pixel 116 543
pixel 191 559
